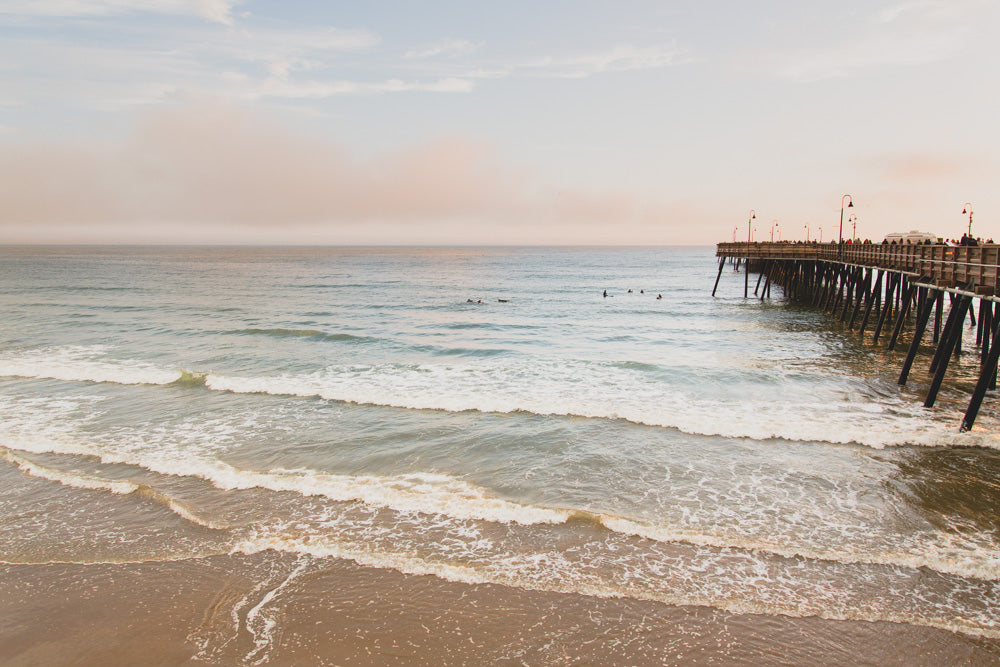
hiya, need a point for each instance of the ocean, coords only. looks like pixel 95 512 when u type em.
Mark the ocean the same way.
pixel 473 456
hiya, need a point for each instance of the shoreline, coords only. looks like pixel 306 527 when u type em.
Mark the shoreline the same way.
pixel 282 608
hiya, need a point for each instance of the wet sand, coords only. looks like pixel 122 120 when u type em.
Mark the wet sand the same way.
pixel 273 608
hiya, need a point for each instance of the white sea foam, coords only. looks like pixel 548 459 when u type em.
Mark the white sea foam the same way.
pixel 191 450
pixel 120 487
pixel 558 387
pixel 750 586
pixel 425 493
pixel 82 364
pixel 610 391
pixel 65 478
pixel 437 494
pixel 966 556
pixel 260 622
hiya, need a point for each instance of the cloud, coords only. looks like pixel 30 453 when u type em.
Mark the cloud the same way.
pixel 160 66
pixel 219 11
pixel 909 33
pixel 323 89
pixel 216 174
pixel 299 41
pixel 448 47
pixel 621 58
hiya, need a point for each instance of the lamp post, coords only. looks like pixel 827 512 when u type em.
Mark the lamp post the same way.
pixel 821 233
pixel 850 204
pixel 806 227
pixel 968 208
pixel 746 270
pixel 840 235
pixel 854 225
pixel 774 223
pixel 734 233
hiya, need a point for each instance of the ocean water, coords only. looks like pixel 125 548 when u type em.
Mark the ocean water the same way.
pixel 476 417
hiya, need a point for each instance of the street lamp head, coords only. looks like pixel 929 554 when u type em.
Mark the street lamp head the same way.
pixel 850 204
pixel 968 208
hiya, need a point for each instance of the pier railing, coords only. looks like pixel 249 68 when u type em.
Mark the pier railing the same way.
pixel 976 267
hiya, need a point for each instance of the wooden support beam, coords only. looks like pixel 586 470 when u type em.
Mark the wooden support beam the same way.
pixel 836 285
pixel 889 285
pixel 767 283
pixel 938 308
pixel 850 289
pixel 923 314
pixel 862 290
pixel 948 342
pixel 996 327
pixel 746 278
pixel 948 325
pixel 987 371
pixel 986 320
pixel 721 264
pixel 819 283
pixel 828 287
pixel 958 339
pixel 983 304
pixel 893 283
pixel 901 316
pixel 873 296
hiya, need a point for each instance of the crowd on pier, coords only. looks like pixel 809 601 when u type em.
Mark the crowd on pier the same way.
pixel 966 240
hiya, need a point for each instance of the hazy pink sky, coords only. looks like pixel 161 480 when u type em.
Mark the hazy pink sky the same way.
pixel 216 121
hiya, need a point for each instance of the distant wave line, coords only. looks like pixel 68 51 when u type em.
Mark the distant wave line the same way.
pixel 312 334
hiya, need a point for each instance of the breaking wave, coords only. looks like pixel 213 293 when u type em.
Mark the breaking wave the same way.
pixel 120 487
pixel 439 495
pixel 689 400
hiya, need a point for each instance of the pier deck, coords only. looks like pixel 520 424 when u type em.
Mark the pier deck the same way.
pixel 883 282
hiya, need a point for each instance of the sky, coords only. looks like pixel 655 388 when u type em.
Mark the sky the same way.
pixel 657 122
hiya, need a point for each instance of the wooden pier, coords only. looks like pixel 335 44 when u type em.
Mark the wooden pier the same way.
pixel 894 289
